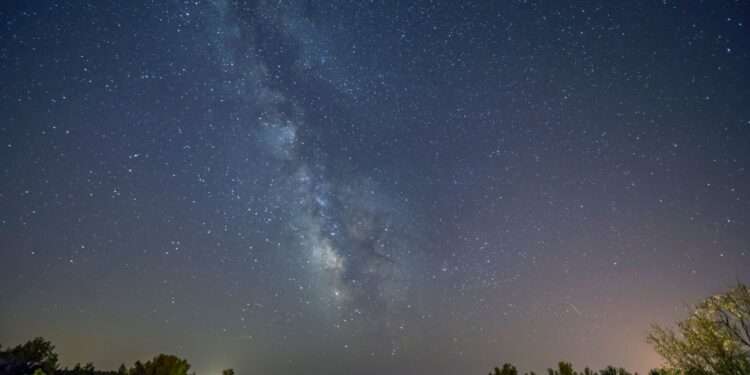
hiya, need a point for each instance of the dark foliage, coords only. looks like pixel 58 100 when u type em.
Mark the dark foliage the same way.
pixel 37 357
pixel 27 358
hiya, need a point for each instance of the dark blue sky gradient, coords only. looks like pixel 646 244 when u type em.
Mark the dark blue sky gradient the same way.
pixel 370 187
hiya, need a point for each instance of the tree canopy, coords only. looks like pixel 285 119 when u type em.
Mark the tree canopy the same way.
pixel 37 357
pixel 27 358
pixel 713 339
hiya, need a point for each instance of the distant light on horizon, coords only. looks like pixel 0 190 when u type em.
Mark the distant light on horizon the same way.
pixel 364 187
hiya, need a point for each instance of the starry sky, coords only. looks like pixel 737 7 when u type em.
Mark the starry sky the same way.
pixel 381 187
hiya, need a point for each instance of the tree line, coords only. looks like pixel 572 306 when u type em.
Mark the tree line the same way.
pixel 38 357
pixel 714 339
pixel 566 368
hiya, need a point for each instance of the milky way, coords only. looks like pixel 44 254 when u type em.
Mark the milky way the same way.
pixel 341 227
pixel 398 187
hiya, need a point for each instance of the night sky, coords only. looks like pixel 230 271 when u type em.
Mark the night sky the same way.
pixel 369 187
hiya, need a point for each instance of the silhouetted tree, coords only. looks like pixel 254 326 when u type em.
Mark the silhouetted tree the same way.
pixel 565 368
pixel 507 369
pixel 663 372
pixel 614 371
pixel 137 369
pixel 87 369
pixel 228 371
pixel 164 364
pixel 27 358
pixel 37 357
pixel 713 339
